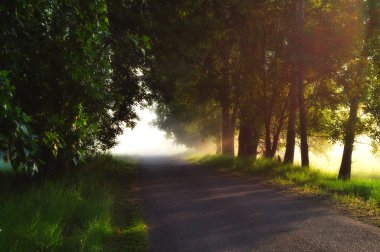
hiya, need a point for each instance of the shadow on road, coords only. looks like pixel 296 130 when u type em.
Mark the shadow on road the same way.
pixel 192 209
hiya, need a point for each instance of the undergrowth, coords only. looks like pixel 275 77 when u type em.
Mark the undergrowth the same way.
pixel 73 212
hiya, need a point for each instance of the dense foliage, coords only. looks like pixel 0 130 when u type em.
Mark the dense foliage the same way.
pixel 73 70
pixel 17 142
pixel 275 72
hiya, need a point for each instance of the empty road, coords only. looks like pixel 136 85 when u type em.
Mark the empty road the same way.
pixel 188 208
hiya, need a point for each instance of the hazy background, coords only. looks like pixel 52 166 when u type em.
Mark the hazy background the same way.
pixel 145 139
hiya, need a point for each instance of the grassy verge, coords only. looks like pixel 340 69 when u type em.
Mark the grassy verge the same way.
pixel 359 198
pixel 75 212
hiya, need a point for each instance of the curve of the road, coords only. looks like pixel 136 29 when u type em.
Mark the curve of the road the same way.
pixel 188 208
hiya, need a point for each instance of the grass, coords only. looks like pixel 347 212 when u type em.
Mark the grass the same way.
pixel 75 212
pixel 360 197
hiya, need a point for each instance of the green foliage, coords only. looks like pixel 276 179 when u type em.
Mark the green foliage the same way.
pixel 189 123
pixel 64 59
pixel 74 212
pixel 17 142
pixel 372 102
pixel 242 57
pixel 222 162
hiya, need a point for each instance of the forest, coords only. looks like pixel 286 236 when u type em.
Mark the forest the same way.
pixel 258 78
pixel 274 73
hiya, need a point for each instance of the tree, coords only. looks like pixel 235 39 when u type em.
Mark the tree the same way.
pixel 202 62
pixel 300 6
pixel 64 63
pixel 358 78
pixel 18 143
pixel 260 62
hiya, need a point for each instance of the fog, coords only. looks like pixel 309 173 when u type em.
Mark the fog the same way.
pixel 364 163
pixel 145 139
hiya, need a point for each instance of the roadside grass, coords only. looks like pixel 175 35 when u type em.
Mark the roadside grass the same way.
pixel 73 212
pixel 360 197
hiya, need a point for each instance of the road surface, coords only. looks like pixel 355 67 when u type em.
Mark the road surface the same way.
pixel 188 208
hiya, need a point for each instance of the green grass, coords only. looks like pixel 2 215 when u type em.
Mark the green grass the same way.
pixel 359 195
pixel 75 212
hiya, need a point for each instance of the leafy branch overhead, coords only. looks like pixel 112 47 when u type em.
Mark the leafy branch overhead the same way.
pixel 266 74
pixel 75 68
pixel 18 144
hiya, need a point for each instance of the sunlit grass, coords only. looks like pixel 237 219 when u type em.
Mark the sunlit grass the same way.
pixel 357 193
pixel 70 213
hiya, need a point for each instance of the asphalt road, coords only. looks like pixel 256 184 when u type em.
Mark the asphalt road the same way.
pixel 188 208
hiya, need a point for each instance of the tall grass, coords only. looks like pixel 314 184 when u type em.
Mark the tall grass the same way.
pixel 74 212
pixel 357 193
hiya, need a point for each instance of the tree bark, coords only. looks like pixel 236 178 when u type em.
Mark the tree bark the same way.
pixel 303 122
pixel 248 142
pixel 243 140
pixel 291 130
pixel 267 110
pixel 218 145
pixel 233 119
pixel 227 135
pixel 255 142
pixel 349 139
pixel 300 84
pixel 268 141
pixel 249 134
pixel 277 133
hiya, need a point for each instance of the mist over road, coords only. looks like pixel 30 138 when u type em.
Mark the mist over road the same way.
pixel 188 208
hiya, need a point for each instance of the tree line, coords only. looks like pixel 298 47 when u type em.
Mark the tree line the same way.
pixel 273 72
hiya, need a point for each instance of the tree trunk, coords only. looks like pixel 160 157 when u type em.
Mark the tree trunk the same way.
pixel 243 140
pixel 227 135
pixel 254 144
pixel 268 141
pixel 248 142
pixel 267 110
pixel 291 131
pixel 350 131
pixel 218 145
pixel 249 135
pixel 303 122
pixel 276 136
pixel 349 139
pixel 300 86
pixel 233 119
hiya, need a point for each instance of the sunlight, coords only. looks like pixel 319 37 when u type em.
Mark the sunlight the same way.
pixel 145 139
pixel 364 163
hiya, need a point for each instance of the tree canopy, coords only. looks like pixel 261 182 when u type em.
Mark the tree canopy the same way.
pixel 74 71
pixel 272 72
